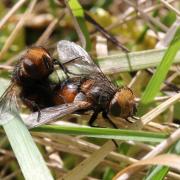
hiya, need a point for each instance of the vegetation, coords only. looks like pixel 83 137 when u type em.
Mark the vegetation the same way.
pixel 142 52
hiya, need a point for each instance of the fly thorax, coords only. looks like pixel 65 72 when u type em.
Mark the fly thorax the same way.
pixel 114 107
pixel 123 103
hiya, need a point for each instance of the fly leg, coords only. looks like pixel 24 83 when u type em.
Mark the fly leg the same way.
pixel 105 116
pixel 65 70
pixel 33 106
pixel 93 118
pixel 128 120
pixel 63 67
pixel 133 117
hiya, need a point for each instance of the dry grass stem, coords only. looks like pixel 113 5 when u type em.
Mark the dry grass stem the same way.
pixel 146 28
pixel 169 6
pixel 86 147
pixel 131 17
pixel 11 12
pixel 6 67
pixel 86 166
pixel 18 27
pixel 12 175
pixel 148 19
pixel 169 35
pixel 163 146
pixel 158 110
pixel 44 37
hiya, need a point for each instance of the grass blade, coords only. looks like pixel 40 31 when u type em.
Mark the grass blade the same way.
pixel 153 86
pixel 29 158
pixel 86 166
pixel 170 160
pixel 138 60
pixel 159 172
pixel 78 13
pixel 106 133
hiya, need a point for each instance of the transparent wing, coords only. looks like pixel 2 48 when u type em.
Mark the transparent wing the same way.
pixel 52 113
pixel 79 63
pixel 75 58
pixel 8 104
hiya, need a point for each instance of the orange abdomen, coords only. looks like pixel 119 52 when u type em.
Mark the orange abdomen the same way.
pixel 65 94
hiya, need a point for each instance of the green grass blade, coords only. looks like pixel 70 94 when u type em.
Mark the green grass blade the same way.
pixel 106 133
pixel 153 86
pixel 160 172
pixel 138 60
pixel 28 156
pixel 78 12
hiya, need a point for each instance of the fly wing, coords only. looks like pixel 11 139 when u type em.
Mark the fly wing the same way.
pixel 8 104
pixel 53 113
pixel 79 63
pixel 75 58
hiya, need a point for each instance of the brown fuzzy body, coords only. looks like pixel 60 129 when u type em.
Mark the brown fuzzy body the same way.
pixel 31 76
pixel 117 103
pixel 123 103
pixel 36 64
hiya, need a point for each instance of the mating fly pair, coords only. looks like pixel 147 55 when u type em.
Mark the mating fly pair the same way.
pixel 85 88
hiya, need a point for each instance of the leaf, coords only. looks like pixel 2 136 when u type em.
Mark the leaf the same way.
pixel 159 76
pixel 28 156
pixel 78 13
pixel 170 160
pixel 118 62
pixel 87 165
pixel 159 172
pixel 106 133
